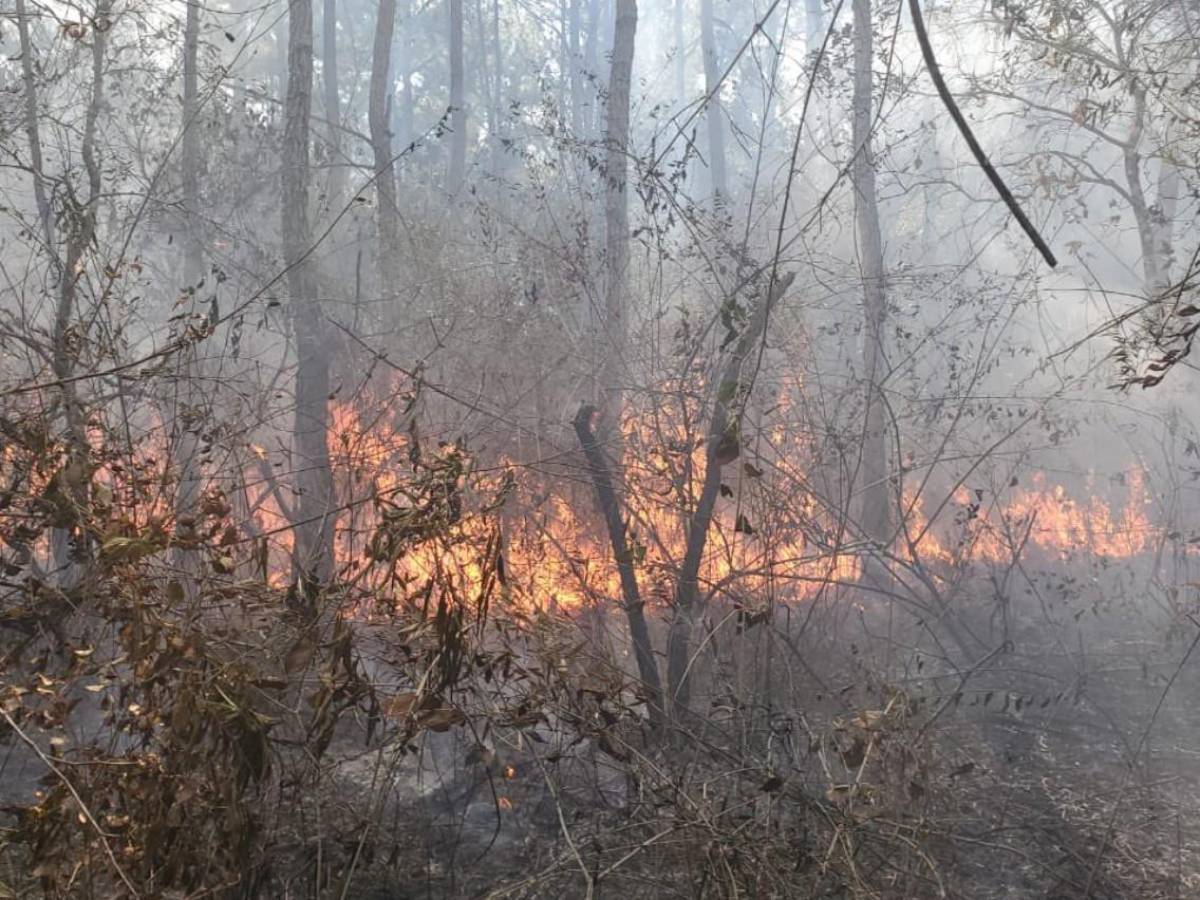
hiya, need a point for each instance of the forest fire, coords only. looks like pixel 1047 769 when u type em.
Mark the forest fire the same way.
pixel 554 557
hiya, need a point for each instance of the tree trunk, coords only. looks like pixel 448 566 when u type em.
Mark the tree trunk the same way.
pixel 681 90
pixel 72 546
pixel 875 518
pixel 1146 226
pixel 715 114
pixel 635 614
pixel 498 151
pixel 814 25
pixel 333 103
pixel 1166 209
pixel 408 107
pixel 458 109
pixel 574 29
pixel 615 333
pixel 591 63
pixel 379 118
pixel 310 458
pixel 722 446
pixel 185 441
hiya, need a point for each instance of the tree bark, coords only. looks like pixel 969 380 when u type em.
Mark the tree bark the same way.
pixel 814 26
pixel 634 606
pixel 575 50
pixel 313 560
pixel 722 446
pixel 875 517
pixel 715 114
pixel 185 441
pixel 458 109
pixel 680 53
pixel 379 118
pixel 72 546
pixel 333 103
pixel 615 333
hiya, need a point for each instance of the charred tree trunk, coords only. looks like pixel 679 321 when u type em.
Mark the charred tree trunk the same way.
pixel 379 119
pixel 458 109
pixel 615 333
pixel 875 518
pixel 313 559
pixel 634 606
pixel 715 114
pixel 722 446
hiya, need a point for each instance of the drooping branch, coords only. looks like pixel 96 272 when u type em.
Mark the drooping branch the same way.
pixel 630 594
pixel 939 82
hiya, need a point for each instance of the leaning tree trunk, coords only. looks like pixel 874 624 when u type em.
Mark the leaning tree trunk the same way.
pixel 458 109
pixel 875 518
pixel 634 606
pixel 378 116
pixel 313 560
pixel 615 331
pixel 714 115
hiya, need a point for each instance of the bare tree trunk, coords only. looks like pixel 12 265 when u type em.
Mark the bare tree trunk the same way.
pixel 616 221
pixel 378 117
pixel 1151 266
pixel 574 27
pixel 1166 209
pixel 71 546
pixel 875 518
pixel 36 163
pixel 591 58
pixel 639 631
pixel 458 114
pixel 722 446
pixel 333 102
pixel 498 158
pixel 715 114
pixel 680 54
pixel 310 459
pixel 185 438
pixel 408 107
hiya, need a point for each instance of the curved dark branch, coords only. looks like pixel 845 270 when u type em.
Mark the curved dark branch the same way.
pixel 939 82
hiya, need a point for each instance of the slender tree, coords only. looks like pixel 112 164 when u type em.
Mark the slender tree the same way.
pixel 458 100
pixel 310 457
pixel 814 25
pixel 185 441
pixel 875 517
pixel 715 114
pixel 379 119
pixel 333 102
pixel 616 217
